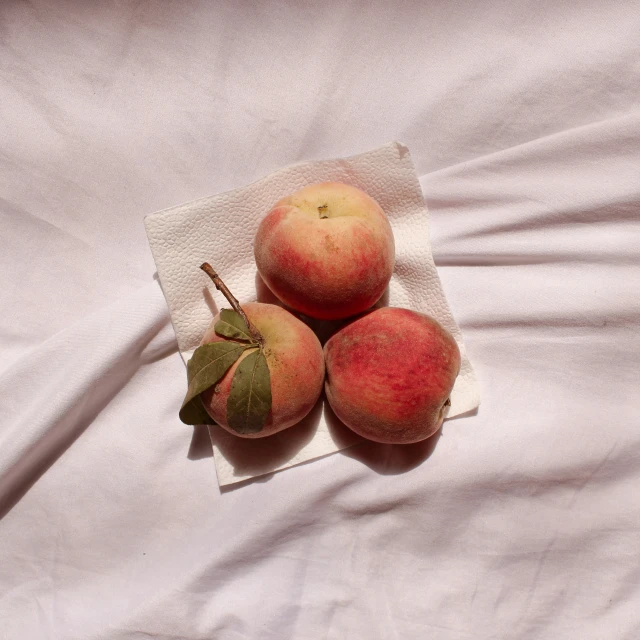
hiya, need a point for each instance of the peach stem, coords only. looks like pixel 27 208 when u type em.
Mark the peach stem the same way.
pixel 222 287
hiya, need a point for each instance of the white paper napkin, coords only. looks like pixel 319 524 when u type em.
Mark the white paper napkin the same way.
pixel 220 230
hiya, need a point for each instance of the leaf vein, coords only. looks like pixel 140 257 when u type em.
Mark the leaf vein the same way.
pixel 224 355
pixel 251 392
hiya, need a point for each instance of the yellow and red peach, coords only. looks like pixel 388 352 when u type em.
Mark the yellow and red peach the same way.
pixel 326 251
pixel 296 367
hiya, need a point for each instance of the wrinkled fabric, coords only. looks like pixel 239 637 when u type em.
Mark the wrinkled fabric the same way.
pixel 518 522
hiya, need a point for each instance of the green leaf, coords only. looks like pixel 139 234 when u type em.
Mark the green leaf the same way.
pixel 249 401
pixel 207 365
pixel 193 412
pixel 231 325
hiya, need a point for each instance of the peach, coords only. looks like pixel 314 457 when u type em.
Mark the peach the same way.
pixel 390 373
pixel 326 251
pixel 296 367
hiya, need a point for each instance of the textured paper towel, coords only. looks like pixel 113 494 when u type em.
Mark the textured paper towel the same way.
pixel 220 230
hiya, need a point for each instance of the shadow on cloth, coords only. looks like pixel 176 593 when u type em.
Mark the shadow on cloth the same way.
pixel 388 459
pixel 261 457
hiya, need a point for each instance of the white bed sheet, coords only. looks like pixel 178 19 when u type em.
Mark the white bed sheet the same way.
pixel 521 521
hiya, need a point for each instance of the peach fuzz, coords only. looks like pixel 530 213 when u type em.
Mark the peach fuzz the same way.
pixel 390 373
pixel 296 366
pixel 326 251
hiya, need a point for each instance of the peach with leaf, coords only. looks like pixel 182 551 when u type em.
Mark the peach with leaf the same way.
pixel 258 370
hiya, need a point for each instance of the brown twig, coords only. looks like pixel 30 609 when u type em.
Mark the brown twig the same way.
pixel 222 287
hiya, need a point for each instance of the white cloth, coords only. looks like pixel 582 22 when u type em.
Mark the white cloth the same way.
pixel 221 229
pixel 522 119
